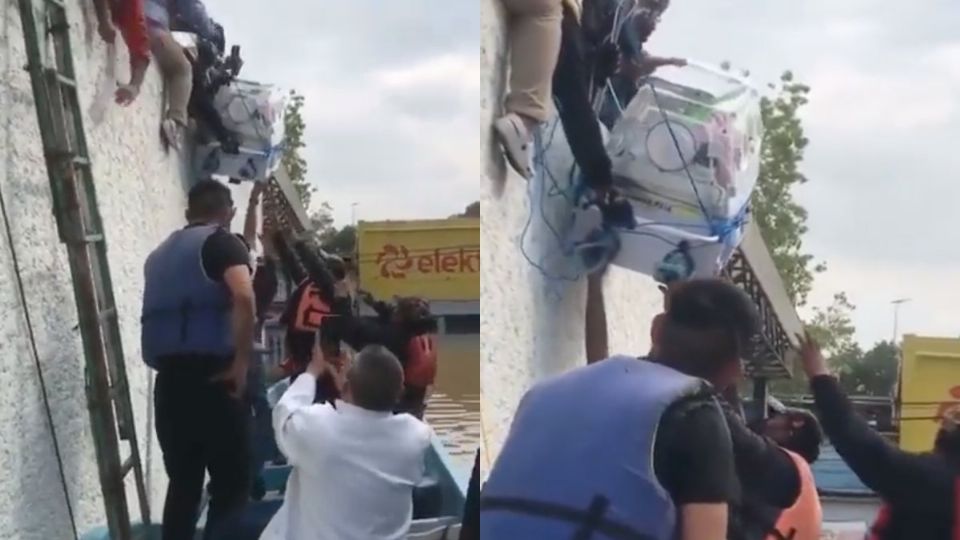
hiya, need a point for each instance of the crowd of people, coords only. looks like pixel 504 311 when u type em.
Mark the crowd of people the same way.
pixel 658 447
pixel 350 422
pixel 663 450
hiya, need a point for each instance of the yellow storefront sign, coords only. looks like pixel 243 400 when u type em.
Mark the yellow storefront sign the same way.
pixel 929 387
pixel 435 259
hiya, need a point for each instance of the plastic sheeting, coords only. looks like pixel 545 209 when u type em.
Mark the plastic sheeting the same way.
pixel 254 112
pixel 686 154
pixel 689 143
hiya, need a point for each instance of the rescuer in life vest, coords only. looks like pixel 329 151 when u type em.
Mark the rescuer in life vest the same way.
pixel 628 447
pixel 313 308
pixel 920 491
pixel 773 460
pixel 197 332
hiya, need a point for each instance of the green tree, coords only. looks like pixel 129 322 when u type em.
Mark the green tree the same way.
pixel 833 327
pixel 342 242
pixel 872 373
pixel 472 210
pixel 782 221
pixel 293 161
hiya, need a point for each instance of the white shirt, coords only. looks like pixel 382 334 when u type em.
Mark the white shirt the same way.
pixel 354 470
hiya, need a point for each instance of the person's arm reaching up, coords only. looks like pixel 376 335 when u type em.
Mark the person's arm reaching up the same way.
pixel 901 478
pixel 291 424
pixel 595 320
pixel 250 220
pixel 316 269
pixel 288 260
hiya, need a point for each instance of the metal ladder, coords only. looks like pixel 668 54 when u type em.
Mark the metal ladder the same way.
pixel 46 32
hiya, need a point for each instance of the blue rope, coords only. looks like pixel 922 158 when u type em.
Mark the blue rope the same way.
pixel 683 159
pixel 554 190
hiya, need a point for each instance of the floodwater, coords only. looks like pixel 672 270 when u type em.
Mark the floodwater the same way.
pixel 454 409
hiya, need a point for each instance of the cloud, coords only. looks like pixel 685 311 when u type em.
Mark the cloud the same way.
pixel 391 97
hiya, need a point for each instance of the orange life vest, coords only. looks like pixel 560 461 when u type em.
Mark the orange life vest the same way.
pixel 421 369
pixel 311 310
pixel 803 520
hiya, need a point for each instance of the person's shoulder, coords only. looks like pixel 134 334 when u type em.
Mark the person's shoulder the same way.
pixel 417 431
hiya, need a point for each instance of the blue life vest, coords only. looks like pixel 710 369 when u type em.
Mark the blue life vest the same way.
pixel 157 13
pixel 184 311
pixel 573 468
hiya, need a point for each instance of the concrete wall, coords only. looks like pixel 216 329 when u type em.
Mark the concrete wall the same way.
pixel 533 326
pixel 141 193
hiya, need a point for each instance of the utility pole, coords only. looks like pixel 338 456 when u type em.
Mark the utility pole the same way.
pixel 896 317
pixel 897 383
pixel 353 214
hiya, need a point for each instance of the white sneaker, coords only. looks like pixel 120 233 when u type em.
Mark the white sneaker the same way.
pixel 172 134
pixel 516 141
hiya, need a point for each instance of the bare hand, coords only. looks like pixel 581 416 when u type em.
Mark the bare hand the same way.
pixel 258 189
pixel 126 94
pixel 811 357
pixel 679 62
pixel 107 33
pixel 235 377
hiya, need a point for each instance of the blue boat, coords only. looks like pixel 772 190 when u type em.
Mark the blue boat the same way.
pixel 437 502
pixel 848 505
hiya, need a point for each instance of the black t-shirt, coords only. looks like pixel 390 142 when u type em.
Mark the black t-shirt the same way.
pixel 693 455
pixel 223 250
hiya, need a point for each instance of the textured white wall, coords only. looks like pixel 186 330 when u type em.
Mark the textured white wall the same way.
pixel 142 196
pixel 531 326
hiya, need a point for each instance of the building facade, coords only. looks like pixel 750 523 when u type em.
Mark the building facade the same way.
pixel 142 196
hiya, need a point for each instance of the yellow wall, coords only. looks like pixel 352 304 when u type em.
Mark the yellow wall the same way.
pixel 930 383
pixel 435 259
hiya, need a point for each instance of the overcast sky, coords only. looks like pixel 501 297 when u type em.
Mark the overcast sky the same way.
pixel 392 96
pixel 392 91
pixel 884 129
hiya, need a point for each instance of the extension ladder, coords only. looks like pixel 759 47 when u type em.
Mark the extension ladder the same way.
pixel 46 31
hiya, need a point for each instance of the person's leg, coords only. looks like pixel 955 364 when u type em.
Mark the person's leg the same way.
pixel 178 73
pixel 534 37
pixel 260 431
pixel 227 449
pixel 183 459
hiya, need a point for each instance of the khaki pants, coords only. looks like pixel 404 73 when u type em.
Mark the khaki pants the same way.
pixel 534 37
pixel 177 72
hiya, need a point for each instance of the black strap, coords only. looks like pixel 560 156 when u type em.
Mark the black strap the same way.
pixel 591 520
pixel 598 506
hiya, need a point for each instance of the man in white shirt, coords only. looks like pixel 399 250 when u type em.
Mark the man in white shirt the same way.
pixel 355 464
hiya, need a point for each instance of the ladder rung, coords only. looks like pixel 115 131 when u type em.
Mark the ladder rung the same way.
pixel 60 78
pixel 66 81
pixel 127 466
pixel 92 238
pixel 107 314
pixel 61 155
